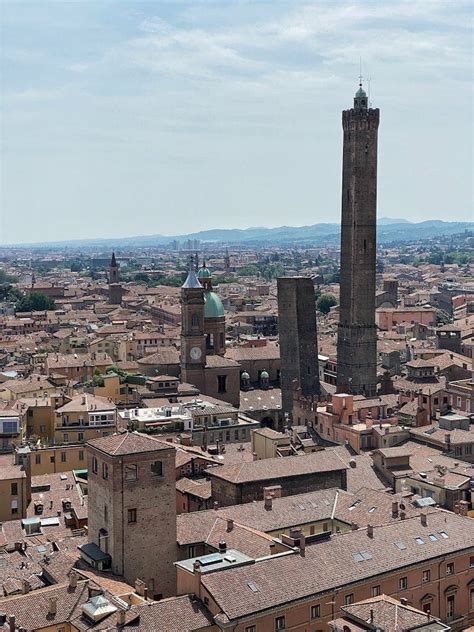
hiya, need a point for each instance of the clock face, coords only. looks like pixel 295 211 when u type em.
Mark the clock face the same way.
pixel 195 353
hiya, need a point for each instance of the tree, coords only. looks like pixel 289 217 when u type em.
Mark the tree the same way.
pixel 7 278
pixel 325 302
pixel 10 294
pixel 442 317
pixel 35 302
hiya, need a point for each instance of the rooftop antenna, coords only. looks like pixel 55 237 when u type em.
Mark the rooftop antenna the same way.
pixel 360 72
pixel 368 91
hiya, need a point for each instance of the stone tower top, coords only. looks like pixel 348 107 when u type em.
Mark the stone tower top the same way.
pixel 360 99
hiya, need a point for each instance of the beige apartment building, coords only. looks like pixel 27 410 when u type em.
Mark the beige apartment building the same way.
pixel 14 489
pixel 83 418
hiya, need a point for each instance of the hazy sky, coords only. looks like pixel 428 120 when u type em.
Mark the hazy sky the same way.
pixel 127 117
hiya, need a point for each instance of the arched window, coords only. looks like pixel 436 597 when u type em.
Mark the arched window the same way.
pixel 195 320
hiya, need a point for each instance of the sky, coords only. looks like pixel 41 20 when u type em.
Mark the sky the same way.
pixel 123 117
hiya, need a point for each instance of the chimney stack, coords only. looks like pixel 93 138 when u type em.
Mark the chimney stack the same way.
pixel 121 617
pixel 463 507
pixel 302 545
pixel 196 566
pixel 222 547
pixel 11 623
pixel 424 519
pixel 25 586
pixel 73 579
pixel 268 502
pixel 230 524
pixel 216 505
pixel 370 531
pixel 395 509
pixel 354 526
pixel 53 606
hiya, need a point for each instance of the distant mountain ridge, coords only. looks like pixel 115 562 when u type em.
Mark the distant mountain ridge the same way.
pixel 388 230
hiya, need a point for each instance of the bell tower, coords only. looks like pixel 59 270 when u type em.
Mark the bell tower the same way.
pixel 357 333
pixel 193 339
pixel 115 289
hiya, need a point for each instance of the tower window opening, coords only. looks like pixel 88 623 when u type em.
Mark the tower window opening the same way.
pixel 365 244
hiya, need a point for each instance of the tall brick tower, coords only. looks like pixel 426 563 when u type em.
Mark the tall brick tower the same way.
pixel 115 288
pixel 357 335
pixel 298 338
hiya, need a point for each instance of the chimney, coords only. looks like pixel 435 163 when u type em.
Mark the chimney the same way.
pixel 463 507
pixel 402 515
pixel 53 606
pixel 25 586
pixel 371 620
pixel 456 508
pixel 370 531
pixel 196 566
pixel 268 502
pixel 255 456
pixel 11 623
pixel 3 618
pixel 302 545
pixel 216 505
pixel 403 601
pixel 354 526
pixel 121 617
pixel 395 509
pixel 447 440
pixel 352 463
pixel 424 520
pixel 230 524
pixel 222 547
pixel 73 579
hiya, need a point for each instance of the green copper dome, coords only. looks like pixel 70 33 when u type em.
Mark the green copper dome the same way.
pixel 360 93
pixel 264 375
pixel 245 376
pixel 213 307
pixel 203 273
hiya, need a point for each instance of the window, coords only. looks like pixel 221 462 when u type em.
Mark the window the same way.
pixel 132 516
pixel 426 576
pixel 426 607
pixel 106 513
pixel 38 459
pixel 14 506
pixel 450 568
pixel 471 561
pixel 450 607
pixel 105 470
pixel 81 455
pixel 348 599
pixel 65 437
pixel 80 436
pixel 222 383
pixel 403 583
pixel 157 468
pixel 14 489
pixel 63 457
pixel 131 472
pixel 251 628
pixel 471 599
pixel 195 320
pixel 375 591
pixel 279 623
pixel 94 465
pixel 191 550
pixel 315 612
pixel 42 428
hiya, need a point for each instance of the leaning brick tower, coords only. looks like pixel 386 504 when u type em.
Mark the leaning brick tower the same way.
pixel 357 335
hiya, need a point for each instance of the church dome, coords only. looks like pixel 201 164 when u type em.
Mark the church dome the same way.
pixel 203 273
pixel 360 93
pixel 264 375
pixel 245 376
pixel 213 307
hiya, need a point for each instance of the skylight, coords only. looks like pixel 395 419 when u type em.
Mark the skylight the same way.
pixel 419 540
pixel 361 556
pixel 400 546
pixel 372 509
pixel 432 537
pixel 443 534
pixel 252 587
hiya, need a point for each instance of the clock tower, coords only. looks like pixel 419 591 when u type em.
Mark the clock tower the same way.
pixel 193 339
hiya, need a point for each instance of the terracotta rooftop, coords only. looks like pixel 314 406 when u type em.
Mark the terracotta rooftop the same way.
pixel 128 443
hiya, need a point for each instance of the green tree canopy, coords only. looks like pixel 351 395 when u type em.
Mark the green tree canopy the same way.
pixel 35 302
pixel 325 302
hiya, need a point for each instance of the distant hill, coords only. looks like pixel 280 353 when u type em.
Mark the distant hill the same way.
pixel 388 230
